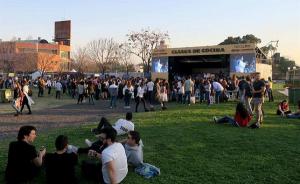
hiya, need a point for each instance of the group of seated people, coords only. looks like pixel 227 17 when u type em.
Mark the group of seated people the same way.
pixel 284 110
pixel 242 117
pixel 113 158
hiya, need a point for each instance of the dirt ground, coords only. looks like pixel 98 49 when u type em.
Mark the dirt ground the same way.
pixel 49 113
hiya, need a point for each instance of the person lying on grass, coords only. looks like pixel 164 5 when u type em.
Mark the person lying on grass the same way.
pixel 241 117
pixel 122 126
pixel 295 114
pixel 283 108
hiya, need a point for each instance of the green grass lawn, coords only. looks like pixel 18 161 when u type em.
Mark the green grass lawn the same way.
pixel 188 148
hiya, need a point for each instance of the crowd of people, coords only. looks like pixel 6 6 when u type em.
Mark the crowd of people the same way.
pixel 251 91
pixel 111 156
pixel 24 161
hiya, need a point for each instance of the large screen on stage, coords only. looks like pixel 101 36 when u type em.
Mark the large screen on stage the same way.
pixel 242 63
pixel 160 64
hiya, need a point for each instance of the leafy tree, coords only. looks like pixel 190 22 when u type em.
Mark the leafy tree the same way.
pixel 284 63
pixel 249 38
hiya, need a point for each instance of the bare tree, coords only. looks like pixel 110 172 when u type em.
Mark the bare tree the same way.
pixel 80 59
pixel 46 62
pixel 26 62
pixel 7 57
pixel 103 52
pixel 144 42
pixel 125 56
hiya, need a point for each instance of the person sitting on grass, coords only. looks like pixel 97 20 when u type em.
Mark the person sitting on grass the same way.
pixel 295 114
pixel 23 159
pixel 122 126
pixel 241 117
pixel 60 166
pixel 133 149
pixel 283 108
pixel 113 157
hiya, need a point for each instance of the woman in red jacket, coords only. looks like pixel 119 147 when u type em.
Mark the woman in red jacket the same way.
pixel 241 117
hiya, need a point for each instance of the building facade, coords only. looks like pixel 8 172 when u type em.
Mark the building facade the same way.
pixel 32 55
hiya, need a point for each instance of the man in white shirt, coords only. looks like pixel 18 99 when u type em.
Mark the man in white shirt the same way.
pixel 189 88
pixel 49 85
pixel 123 126
pixel 140 97
pixel 218 88
pixel 150 86
pixel 113 91
pixel 58 87
pixel 113 157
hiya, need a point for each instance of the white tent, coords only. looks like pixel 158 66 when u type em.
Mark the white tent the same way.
pixel 36 74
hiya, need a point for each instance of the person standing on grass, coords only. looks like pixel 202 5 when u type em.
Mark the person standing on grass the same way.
pixel 91 91
pixel 248 94
pixel 127 92
pixel 23 159
pixel 207 87
pixel 258 91
pixel 26 99
pixel 150 86
pixel 140 97
pixel 49 85
pixel 218 88
pixel 80 89
pixel 163 94
pixel 41 85
pixel 113 92
pixel 189 88
pixel 58 88
pixel 269 86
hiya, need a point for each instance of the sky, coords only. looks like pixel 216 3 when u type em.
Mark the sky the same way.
pixel 188 22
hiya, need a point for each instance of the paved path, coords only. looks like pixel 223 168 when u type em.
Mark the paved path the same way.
pixel 49 113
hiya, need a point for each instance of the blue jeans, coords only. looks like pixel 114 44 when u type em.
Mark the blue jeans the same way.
pixel 228 119
pixel 293 116
pixel 202 96
pixel 188 95
pixel 113 101
pixel 218 94
pixel 207 95
pixel 127 99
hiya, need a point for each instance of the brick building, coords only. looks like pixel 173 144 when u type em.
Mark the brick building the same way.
pixel 32 55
